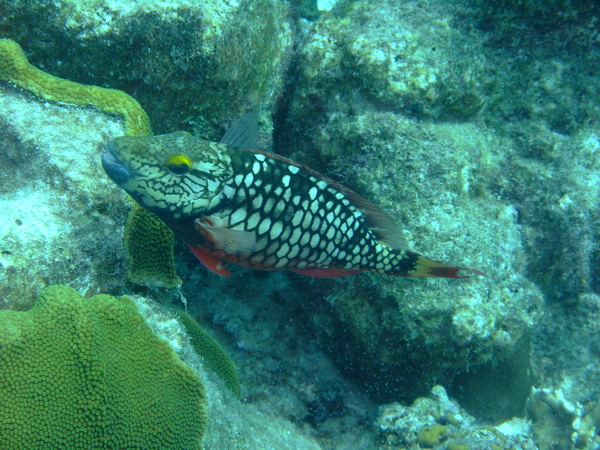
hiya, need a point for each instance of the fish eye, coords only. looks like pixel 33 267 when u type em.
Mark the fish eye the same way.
pixel 179 164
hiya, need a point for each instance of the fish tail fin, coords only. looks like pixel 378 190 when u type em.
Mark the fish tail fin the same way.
pixel 425 267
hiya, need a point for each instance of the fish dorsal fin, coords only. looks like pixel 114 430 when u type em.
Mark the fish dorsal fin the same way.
pixel 379 222
pixel 243 133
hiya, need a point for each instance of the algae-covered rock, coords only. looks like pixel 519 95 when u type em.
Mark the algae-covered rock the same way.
pixel 437 421
pixel 398 336
pixel 498 390
pixel 407 58
pixel 515 201
pixel 89 373
pixel 191 65
pixel 60 215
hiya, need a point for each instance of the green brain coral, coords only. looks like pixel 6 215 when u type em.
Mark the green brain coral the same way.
pixel 149 250
pixel 89 374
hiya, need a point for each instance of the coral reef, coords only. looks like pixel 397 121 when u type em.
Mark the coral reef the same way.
pixel 15 68
pixel 89 373
pixel 149 249
pixel 474 124
pixel 195 65
pixel 438 422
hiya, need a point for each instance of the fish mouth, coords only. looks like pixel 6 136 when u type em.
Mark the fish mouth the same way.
pixel 114 168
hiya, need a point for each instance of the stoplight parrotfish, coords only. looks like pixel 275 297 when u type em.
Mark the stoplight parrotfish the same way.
pixel 230 202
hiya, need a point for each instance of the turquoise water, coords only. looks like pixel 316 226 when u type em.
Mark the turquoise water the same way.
pixel 473 125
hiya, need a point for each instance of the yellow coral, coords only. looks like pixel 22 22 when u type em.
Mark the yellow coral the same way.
pixel 15 68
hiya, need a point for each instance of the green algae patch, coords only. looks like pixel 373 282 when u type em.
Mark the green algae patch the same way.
pixel 90 374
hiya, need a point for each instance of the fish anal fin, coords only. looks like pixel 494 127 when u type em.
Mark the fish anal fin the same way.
pixel 379 222
pixel 211 263
pixel 326 273
pixel 230 241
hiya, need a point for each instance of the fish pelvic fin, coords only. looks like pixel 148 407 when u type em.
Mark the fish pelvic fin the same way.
pixel 210 262
pixel 425 267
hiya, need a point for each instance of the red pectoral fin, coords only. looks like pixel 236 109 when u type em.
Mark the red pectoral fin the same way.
pixel 326 273
pixel 211 263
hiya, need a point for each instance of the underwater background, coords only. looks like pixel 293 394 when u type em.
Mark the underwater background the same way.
pixel 473 123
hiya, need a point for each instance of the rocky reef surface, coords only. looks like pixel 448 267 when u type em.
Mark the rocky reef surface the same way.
pixel 473 125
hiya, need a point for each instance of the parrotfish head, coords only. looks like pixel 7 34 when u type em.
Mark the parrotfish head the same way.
pixel 175 175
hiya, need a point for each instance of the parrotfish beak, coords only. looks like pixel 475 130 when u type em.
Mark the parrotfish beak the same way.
pixel 113 167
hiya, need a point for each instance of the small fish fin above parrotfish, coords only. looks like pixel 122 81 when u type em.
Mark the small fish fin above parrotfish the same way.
pixel 230 241
pixel 243 133
pixel 211 263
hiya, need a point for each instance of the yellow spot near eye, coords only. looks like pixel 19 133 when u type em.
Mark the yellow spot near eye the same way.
pixel 178 160
pixel 179 164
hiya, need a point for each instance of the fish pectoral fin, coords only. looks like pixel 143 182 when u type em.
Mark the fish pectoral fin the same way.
pixel 230 241
pixel 326 273
pixel 211 263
